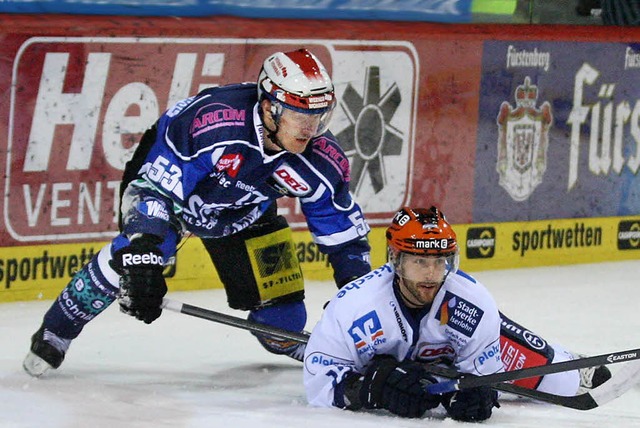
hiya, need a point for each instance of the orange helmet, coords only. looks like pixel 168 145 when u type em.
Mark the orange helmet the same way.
pixel 421 231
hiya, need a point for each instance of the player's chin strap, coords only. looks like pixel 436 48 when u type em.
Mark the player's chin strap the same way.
pixel 620 382
pixel 271 134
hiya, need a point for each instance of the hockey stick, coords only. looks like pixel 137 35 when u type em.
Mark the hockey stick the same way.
pixel 252 326
pixel 622 381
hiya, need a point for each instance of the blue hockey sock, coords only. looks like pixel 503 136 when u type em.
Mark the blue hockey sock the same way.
pixel 87 295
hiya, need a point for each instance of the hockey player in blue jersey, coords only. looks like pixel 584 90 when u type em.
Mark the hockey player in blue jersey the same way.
pixel 378 333
pixel 213 166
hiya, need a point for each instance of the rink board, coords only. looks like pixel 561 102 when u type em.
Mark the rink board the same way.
pixel 529 141
pixel 39 272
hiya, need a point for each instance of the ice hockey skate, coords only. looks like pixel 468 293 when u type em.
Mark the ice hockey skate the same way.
pixel 593 377
pixel 47 352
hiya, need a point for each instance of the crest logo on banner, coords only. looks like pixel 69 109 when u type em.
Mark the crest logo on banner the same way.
pixel 522 142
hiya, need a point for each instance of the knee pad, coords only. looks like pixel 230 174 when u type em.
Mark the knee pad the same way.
pixel 258 266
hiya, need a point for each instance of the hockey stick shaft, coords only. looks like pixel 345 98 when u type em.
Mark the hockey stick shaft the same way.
pixel 230 320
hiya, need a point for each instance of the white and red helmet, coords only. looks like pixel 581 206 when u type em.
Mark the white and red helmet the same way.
pixel 297 80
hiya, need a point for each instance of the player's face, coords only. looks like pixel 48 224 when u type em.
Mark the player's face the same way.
pixel 421 278
pixel 297 129
pixel 294 129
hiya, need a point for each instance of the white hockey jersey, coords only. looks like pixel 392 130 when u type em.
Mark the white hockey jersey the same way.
pixel 367 318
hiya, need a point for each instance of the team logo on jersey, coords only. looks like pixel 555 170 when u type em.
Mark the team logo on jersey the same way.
pixel 481 242
pixel 153 208
pixel 458 314
pixel 629 235
pixel 367 333
pixel 288 179
pixel 522 142
pixel 230 163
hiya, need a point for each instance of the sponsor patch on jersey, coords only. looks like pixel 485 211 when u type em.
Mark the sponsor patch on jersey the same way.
pixel 367 333
pixel 317 360
pixel 288 178
pixel 153 208
pixel 488 361
pixel 459 314
pixel 230 163
pixel 516 356
pixel 216 115
pixel 535 341
pixel 435 351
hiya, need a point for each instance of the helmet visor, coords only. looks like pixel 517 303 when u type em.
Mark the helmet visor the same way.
pixel 302 123
pixel 425 268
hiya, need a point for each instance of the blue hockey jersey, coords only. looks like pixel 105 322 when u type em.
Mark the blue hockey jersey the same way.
pixel 209 162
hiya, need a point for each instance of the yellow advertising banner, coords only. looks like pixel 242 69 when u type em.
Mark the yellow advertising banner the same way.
pixel 40 272
pixel 548 242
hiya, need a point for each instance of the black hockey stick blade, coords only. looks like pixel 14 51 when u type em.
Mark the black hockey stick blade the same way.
pixel 468 381
pixel 579 402
pixel 621 381
pixel 230 320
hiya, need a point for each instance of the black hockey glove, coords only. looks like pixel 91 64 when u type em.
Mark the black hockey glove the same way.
pixel 397 387
pixel 142 286
pixel 471 405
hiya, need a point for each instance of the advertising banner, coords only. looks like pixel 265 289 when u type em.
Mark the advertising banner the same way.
pixel 558 131
pixel 548 242
pixel 89 100
pixel 528 143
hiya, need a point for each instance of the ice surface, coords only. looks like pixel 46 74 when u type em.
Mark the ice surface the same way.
pixel 182 371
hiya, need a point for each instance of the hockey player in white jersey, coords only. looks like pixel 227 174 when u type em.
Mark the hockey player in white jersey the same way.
pixel 371 345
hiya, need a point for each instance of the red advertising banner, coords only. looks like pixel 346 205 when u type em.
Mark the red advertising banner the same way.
pixel 75 105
